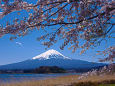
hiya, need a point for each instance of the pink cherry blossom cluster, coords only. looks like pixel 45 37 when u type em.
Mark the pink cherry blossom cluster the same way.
pixel 73 21
pixel 109 53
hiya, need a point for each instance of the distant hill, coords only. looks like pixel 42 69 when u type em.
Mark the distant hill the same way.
pixel 49 69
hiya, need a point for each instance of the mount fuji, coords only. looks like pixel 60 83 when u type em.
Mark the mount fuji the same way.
pixel 51 58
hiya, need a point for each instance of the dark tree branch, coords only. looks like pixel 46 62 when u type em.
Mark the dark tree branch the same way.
pixel 54 2
pixel 39 24
pixel 57 11
pixel 48 9
pixel 65 23
pixel 109 30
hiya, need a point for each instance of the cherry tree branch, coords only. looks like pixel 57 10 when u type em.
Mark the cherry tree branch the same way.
pixel 65 23
pixel 55 2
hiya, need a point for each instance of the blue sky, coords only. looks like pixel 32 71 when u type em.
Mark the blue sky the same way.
pixel 27 47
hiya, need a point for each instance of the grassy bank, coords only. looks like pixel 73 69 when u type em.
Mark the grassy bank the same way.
pixel 71 80
pixel 107 80
pixel 63 80
pixel 100 83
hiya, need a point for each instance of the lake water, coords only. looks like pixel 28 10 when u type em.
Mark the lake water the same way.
pixel 21 77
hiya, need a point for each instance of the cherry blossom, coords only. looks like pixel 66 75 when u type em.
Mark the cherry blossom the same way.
pixel 73 20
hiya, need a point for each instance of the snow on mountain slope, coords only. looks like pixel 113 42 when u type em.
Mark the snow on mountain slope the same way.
pixel 50 54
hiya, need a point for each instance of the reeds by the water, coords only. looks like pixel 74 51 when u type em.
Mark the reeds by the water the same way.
pixel 64 80
pixel 99 83
pixel 71 80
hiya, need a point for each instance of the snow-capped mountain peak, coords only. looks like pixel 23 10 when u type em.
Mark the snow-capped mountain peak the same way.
pixel 50 54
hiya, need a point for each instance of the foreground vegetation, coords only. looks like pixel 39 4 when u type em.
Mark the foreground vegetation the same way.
pixel 71 80
pixel 107 80
pixel 102 83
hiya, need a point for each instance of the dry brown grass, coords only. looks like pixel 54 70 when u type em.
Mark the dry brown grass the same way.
pixel 61 81
pixel 98 78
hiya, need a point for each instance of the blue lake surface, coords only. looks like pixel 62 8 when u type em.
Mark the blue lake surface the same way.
pixel 4 78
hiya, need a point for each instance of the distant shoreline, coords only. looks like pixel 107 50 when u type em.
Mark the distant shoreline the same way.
pixel 46 73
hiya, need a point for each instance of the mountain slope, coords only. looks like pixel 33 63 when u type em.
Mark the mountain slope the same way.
pixel 51 58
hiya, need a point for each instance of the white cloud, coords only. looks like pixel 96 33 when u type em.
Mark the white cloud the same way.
pixel 19 43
